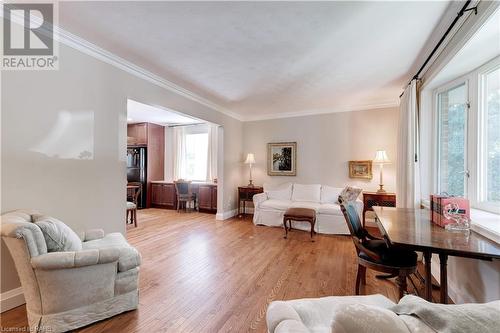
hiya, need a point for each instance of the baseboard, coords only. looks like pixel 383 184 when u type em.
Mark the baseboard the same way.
pixel 11 299
pixel 226 215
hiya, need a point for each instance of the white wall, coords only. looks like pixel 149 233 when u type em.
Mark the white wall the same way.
pixel 325 144
pixel 64 142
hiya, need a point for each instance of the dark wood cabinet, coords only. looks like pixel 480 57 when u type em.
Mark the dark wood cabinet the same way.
pixel 245 194
pixel 163 195
pixel 137 134
pixel 207 196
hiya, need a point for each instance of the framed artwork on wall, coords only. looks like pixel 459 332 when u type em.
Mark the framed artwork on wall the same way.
pixel 282 159
pixel 360 169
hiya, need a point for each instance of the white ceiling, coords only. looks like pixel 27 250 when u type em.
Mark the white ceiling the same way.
pixel 267 59
pixel 139 112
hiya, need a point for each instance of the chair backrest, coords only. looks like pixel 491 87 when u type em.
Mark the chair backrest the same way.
pixel 137 190
pixel 183 187
pixel 352 219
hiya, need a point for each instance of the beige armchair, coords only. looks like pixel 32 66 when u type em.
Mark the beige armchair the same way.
pixel 67 290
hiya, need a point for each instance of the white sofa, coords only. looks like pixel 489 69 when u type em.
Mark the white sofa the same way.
pixel 270 206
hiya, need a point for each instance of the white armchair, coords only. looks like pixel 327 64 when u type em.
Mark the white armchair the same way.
pixel 67 290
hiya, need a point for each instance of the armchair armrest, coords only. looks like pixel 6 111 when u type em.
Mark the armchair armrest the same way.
pixel 259 198
pixel 91 234
pixel 62 260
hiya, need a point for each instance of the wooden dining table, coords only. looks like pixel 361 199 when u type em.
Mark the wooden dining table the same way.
pixel 413 229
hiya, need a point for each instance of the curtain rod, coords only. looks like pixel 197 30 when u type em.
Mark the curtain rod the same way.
pixel 459 14
pixel 182 125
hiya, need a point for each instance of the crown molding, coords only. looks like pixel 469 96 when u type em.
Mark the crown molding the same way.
pixel 387 104
pixel 99 53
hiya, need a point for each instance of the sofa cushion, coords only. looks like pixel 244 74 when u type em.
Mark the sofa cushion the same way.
pixel 280 192
pixel 306 192
pixel 58 236
pixel 330 194
pixel 367 318
pixel 306 204
pixel 330 209
pixel 275 204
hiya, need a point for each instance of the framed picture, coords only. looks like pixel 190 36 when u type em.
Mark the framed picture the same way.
pixel 360 169
pixel 282 159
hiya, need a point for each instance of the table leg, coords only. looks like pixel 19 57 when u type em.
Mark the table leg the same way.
pixel 428 276
pixel 239 208
pixel 443 277
pixel 364 214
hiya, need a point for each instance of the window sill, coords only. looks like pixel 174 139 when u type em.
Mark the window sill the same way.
pixel 486 224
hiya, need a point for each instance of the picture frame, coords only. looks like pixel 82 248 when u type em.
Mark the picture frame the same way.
pixel 282 159
pixel 360 169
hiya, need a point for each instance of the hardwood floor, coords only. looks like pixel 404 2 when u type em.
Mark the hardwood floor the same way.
pixel 203 275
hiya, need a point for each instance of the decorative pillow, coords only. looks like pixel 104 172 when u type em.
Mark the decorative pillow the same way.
pixel 361 318
pixel 58 236
pixel 308 193
pixel 349 193
pixel 330 194
pixel 280 192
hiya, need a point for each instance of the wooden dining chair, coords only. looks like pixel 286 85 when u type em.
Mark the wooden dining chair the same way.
pixel 374 253
pixel 133 204
pixel 185 194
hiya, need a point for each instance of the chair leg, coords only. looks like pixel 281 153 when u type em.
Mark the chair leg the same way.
pixel 360 276
pixel 135 217
pixel 401 282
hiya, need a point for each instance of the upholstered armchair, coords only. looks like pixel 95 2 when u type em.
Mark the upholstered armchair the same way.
pixel 65 290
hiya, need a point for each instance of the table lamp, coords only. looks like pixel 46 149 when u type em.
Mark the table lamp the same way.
pixel 381 159
pixel 250 161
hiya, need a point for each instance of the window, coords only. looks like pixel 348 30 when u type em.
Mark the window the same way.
pixel 489 147
pixel 467 137
pixel 452 113
pixel 196 157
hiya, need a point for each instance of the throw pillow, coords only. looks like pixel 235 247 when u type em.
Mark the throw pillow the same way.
pixel 281 192
pixel 349 193
pixel 58 236
pixel 361 318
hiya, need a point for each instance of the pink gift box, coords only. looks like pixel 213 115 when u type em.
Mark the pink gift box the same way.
pixel 438 202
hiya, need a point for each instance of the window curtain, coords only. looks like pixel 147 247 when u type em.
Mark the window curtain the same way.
pixel 213 133
pixel 408 171
pixel 179 151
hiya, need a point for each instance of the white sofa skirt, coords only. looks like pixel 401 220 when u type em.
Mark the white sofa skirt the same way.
pixel 325 224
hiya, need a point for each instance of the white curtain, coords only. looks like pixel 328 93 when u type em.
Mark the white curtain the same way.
pixel 179 151
pixel 213 133
pixel 408 171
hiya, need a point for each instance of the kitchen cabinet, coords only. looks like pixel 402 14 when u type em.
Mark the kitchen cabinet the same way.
pixel 207 196
pixel 163 195
pixel 137 134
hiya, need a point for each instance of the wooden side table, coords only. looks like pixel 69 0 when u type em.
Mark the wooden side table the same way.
pixel 246 193
pixel 371 199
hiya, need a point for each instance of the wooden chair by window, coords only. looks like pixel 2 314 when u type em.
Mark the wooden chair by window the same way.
pixel 134 190
pixel 185 195
pixel 373 253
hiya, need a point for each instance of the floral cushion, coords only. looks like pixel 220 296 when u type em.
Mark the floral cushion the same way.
pixel 349 193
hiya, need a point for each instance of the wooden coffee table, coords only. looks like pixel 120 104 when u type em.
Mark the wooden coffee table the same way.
pixel 299 214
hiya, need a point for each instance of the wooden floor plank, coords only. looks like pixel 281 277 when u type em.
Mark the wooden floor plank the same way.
pixel 203 275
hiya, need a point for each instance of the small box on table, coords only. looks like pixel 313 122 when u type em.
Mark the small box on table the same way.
pixel 438 202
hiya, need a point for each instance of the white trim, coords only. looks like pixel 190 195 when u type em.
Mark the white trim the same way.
pixel 11 299
pixel 387 104
pixel 226 215
pixel 99 53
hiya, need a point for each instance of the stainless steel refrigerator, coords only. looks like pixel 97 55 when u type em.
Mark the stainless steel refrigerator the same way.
pixel 136 170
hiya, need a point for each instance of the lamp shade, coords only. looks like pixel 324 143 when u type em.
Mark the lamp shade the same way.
pixel 381 157
pixel 250 159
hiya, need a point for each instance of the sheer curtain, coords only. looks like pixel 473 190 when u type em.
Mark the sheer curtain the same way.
pixel 179 151
pixel 182 162
pixel 213 133
pixel 408 171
